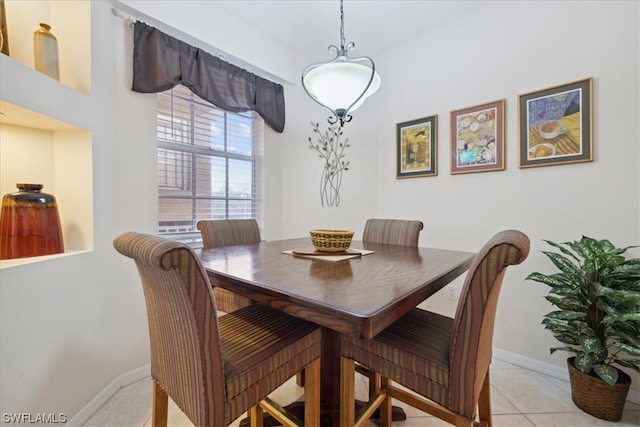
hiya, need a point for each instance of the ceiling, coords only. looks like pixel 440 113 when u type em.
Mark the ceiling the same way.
pixel 312 25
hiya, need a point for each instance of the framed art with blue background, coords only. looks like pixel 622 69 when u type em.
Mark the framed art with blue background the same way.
pixel 477 138
pixel 416 142
pixel 556 125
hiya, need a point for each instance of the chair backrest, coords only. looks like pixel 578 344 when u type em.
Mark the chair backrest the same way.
pixel 183 327
pixel 229 232
pixel 472 334
pixel 392 231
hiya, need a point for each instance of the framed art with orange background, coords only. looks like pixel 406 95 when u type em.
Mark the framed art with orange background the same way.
pixel 556 125
pixel 477 138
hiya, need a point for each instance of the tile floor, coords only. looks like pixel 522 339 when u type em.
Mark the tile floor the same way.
pixel 520 397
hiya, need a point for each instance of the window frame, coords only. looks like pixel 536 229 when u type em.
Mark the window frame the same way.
pixel 186 173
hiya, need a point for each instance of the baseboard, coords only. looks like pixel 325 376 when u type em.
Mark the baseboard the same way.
pixel 97 402
pixel 554 371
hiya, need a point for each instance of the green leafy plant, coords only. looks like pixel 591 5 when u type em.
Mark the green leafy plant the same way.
pixel 597 296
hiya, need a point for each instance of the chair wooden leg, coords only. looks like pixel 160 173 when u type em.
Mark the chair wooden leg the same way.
pixel 484 402
pixel 312 394
pixel 385 407
pixel 347 392
pixel 463 422
pixel 300 378
pixel 374 383
pixel 256 416
pixel 160 406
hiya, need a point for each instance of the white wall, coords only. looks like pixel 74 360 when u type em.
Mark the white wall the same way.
pixel 204 25
pixel 502 50
pixel 498 52
pixel 63 319
pixel 71 326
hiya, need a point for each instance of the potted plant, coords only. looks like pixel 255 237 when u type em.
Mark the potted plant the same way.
pixel 597 296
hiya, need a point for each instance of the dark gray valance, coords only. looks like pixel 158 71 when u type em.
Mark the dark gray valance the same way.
pixel 160 62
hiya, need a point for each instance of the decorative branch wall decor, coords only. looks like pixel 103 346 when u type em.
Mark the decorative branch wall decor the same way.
pixel 330 148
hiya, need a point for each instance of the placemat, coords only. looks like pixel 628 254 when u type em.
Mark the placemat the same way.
pixel 311 253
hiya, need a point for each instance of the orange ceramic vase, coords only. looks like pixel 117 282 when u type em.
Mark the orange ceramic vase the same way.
pixel 29 224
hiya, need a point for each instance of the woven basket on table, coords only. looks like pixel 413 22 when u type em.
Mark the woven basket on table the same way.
pixel 595 397
pixel 325 240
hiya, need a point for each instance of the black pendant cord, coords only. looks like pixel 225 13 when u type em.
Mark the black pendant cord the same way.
pixel 341 25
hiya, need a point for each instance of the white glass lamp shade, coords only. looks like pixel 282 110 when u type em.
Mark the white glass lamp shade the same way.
pixel 337 85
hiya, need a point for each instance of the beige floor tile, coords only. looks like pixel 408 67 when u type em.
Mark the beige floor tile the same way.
pixel 629 418
pixel 562 384
pixel 520 398
pixel 131 406
pixel 500 404
pixel 577 419
pixel 530 392
pixel 177 418
pixel 512 421
pixel 422 421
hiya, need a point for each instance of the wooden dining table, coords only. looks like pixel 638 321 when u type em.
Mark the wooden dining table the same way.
pixel 359 296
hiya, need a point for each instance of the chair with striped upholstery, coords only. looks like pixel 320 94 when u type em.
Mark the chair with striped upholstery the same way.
pixel 229 232
pixel 216 368
pixel 443 361
pixel 392 231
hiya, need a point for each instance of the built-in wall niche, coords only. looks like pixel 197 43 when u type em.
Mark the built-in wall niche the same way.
pixel 70 22
pixel 35 148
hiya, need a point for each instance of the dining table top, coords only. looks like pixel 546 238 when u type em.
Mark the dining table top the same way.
pixel 359 296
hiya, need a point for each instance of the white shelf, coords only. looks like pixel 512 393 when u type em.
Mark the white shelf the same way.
pixel 45 125
pixel 9 263
pixel 33 91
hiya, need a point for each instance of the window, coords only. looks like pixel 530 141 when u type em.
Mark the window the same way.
pixel 208 161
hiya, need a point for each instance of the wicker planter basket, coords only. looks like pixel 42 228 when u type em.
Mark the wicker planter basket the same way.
pixel 331 240
pixel 595 397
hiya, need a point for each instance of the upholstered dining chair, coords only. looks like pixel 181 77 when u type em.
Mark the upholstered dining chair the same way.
pixel 216 368
pixel 392 231
pixel 444 362
pixel 228 232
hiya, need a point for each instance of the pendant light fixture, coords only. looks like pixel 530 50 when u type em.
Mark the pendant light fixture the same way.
pixel 342 84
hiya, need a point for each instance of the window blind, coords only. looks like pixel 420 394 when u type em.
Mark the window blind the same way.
pixel 208 162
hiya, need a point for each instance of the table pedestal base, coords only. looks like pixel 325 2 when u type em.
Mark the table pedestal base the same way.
pixel 328 418
pixel 329 388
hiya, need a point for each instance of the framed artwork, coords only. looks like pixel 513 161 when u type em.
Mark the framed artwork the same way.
pixel 416 142
pixel 556 125
pixel 4 37
pixel 477 138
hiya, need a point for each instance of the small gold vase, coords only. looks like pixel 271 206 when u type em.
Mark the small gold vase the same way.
pixel 45 48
